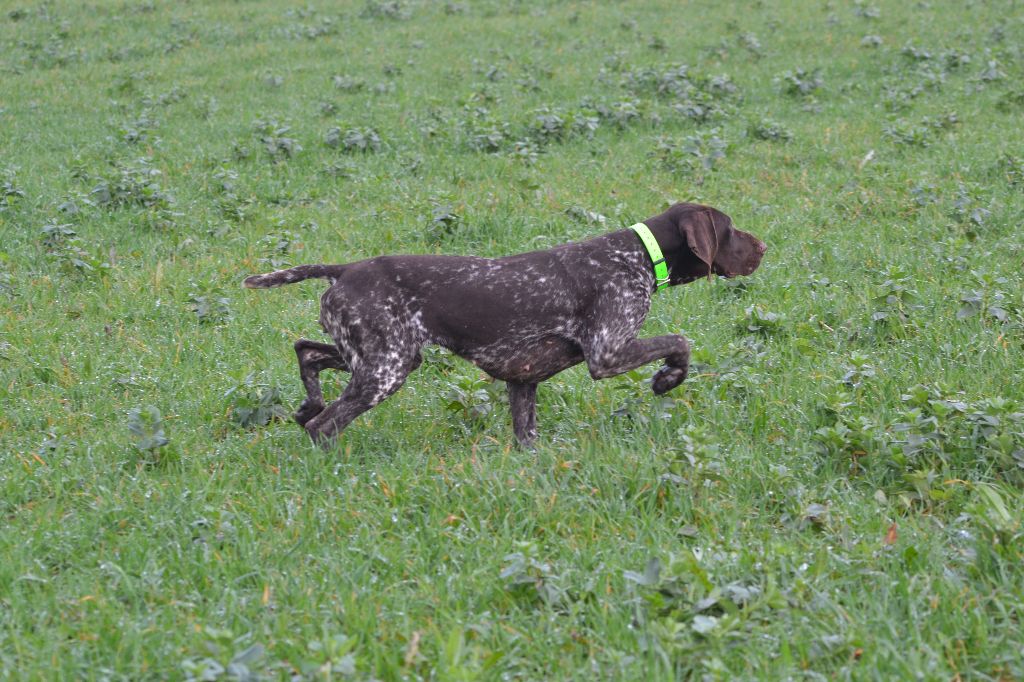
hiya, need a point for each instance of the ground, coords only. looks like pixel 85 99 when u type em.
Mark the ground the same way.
pixel 834 493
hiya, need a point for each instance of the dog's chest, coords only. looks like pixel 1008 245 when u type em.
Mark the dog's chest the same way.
pixel 544 329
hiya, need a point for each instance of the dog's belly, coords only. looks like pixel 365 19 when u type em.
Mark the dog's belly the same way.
pixel 527 361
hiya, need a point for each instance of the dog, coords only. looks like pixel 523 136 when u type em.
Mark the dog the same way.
pixel 521 319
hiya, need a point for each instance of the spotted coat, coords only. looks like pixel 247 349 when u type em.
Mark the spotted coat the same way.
pixel 521 318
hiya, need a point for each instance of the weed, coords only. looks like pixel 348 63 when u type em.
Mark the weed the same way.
pixel 354 139
pixel 757 319
pixel 443 221
pixel 895 301
pixel 146 429
pixel 348 83
pixel 910 135
pixel 988 301
pixel 276 247
pixel 525 150
pixel 991 72
pixel 967 207
pixel 210 306
pixel 800 83
pixel 340 169
pixel 329 656
pixel 1012 100
pixel 387 9
pixel 854 437
pixel 253 403
pixel 555 125
pixel 525 573
pixel 769 129
pixel 751 43
pixel 225 659
pixel 138 129
pixel 488 139
pixel 6 288
pixel 10 193
pixel 313 28
pixel 622 114
pixel 1012 168
pixel 472 399
pixel 228 201
pixel 586 217
pixel 70 251
pixel 135 184
pixel 273 135
pixel 866 11
pixel 696 457
pixel 701 151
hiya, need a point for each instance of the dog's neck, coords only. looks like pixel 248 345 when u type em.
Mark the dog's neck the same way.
pixel 658 262
pixel 665 228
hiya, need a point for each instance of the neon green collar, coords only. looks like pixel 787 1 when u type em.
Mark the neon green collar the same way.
pixel 654 251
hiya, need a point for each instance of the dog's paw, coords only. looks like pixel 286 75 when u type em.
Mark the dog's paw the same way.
pixel 667 378
pixel 527 444
pixel 307 411
pixel 319 438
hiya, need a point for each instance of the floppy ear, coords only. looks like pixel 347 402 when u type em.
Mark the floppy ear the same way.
pixel 698 227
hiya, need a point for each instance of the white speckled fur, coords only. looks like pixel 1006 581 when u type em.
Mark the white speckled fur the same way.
pixel 521 318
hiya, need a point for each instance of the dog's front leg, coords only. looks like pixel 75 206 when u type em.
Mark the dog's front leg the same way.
pixel 522 401
pixel 605 361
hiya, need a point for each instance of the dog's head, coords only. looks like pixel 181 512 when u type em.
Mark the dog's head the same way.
pixel 709 243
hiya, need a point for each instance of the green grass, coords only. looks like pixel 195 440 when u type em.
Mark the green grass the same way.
pixel 835 493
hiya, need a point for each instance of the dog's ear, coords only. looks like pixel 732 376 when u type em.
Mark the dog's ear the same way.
pixel 698 228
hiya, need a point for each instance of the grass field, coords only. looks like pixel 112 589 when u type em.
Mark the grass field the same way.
pixel 835 493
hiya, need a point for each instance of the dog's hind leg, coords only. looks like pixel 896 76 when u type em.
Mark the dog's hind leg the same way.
pixel 314 358
pixel 373 380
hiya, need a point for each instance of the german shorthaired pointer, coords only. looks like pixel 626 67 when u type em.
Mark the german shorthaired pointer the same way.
pixel 521 319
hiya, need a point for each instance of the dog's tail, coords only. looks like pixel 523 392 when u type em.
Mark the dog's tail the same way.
pixel 296 274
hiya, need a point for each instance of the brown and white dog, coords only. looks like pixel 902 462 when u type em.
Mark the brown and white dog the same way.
pixel 521 319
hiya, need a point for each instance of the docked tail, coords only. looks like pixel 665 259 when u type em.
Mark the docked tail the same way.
pixel 296 274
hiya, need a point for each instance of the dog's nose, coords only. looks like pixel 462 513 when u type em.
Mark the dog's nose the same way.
pixel 761 247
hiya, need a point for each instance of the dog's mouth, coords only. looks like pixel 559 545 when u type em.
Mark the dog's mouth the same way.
pixel 748 269
pixel 753 264
pixel 727 274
